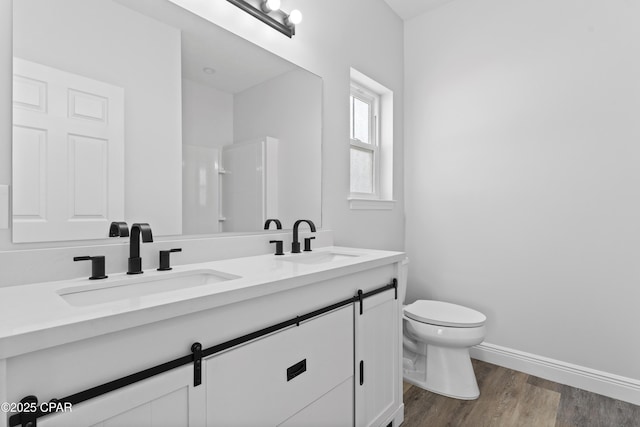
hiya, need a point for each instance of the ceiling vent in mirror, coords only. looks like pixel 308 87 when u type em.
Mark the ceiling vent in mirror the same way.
pixel 269 12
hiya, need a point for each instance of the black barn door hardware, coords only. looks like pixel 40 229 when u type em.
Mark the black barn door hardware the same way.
pixel 29 419
pixel 25 418
pixel 361 296
pixel 196 349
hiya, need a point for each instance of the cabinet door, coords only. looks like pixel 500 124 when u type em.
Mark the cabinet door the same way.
pixel 377 360
pixel 257 385
pixel 334 409
pixel 166 400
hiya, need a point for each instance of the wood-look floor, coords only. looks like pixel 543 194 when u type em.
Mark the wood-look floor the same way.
pixel 513 399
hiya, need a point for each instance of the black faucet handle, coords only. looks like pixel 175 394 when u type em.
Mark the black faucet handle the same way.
pixel 97 266
pixel 165 264
pixel 119 229
pixel 307 243
pixel 279 246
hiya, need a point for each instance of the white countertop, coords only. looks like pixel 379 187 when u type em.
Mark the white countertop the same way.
pixel 35 316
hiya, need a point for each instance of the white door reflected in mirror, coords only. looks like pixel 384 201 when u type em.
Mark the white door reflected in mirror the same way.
pixel 68 154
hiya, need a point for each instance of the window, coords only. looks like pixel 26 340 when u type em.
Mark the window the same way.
pixel 365 162
pixel 371 143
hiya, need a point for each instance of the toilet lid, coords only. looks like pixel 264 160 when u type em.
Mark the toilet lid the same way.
pixel 444 314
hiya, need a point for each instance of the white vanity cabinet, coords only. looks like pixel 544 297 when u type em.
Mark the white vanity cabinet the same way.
pixel 377 359
pixel 167 400
pixel 333 409
pixel 267 381
pixel 300 374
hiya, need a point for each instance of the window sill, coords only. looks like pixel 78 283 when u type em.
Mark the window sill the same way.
pixel 371 204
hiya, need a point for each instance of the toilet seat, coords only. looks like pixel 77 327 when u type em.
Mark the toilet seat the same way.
pixel 444 314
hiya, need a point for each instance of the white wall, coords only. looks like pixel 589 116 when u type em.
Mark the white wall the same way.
pixel 207 115
pixel 332 37
pixel 522 172
pixel 152 94
pixel 327 43
pixel 299 96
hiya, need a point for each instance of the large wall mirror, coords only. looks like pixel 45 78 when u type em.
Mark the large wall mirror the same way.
pixel 139 111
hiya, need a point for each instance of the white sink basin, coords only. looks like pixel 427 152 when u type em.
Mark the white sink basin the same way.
pixel 319 257
pixel 139 286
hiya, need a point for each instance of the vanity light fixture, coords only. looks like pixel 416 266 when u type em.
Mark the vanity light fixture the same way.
pixel 269 5
pixel 294 18
pixel 269 12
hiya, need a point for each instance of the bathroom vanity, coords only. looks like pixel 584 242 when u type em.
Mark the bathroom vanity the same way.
pixel 295 340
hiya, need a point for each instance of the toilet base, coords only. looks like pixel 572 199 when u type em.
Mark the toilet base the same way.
pixel 446 371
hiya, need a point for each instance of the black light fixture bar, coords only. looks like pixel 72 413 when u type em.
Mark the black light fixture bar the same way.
pixel 259 14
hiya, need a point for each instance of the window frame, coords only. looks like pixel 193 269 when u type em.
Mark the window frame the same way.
pixel 371 98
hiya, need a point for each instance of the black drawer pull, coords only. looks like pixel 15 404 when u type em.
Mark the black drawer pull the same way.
pixel 296 369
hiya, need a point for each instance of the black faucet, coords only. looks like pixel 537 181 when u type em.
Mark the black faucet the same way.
pixel 119 229
pixel 268 222
pixel 135 262
pixel 295 245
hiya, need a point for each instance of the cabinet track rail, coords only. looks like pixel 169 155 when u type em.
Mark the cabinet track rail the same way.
pixel 29 419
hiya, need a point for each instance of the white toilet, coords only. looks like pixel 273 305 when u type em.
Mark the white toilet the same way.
pixel 437 338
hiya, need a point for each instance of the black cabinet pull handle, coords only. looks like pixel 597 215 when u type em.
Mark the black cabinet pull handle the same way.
pixel 296 369
pixel 361 372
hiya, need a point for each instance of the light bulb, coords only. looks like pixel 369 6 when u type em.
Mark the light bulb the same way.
pixel 294 18
pixel 270 5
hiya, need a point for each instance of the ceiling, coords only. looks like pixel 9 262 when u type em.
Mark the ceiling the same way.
pixel 408 9
pixel 236 63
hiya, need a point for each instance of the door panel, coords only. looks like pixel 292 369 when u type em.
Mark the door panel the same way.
pixel 334 409
pixel 166 400
pixel 264 382
pixel 377 350
pixel 68 154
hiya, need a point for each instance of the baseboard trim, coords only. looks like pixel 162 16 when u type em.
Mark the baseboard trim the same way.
pixel 397 418
pixel 604 383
